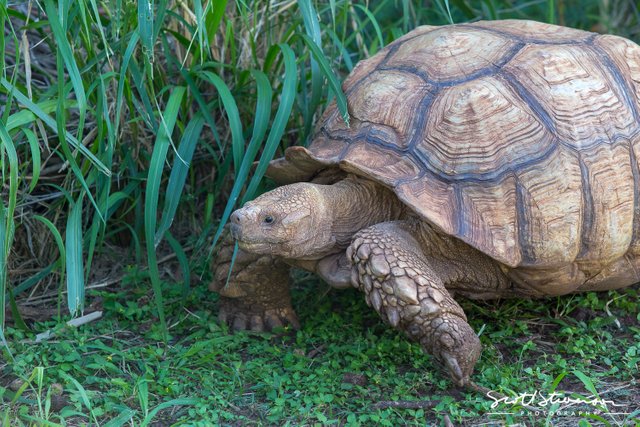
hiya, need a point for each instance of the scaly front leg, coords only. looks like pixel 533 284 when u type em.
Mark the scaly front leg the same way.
pixel 256 295
pixel 391 269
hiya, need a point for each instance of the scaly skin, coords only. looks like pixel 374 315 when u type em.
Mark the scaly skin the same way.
pixel 390 267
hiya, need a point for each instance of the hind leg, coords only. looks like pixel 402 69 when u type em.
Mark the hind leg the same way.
pixel 256 294
pixel 390 267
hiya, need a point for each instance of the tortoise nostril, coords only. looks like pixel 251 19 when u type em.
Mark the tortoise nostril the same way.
pixel 235 218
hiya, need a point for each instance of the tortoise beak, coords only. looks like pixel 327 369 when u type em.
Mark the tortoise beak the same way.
pixel 236 220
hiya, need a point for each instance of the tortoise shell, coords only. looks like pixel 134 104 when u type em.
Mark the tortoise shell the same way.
pixel 517 137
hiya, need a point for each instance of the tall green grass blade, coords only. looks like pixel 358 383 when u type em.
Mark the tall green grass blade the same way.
pixel 74 259
pixel 146 113
pixel 312 29
pixel 262 111
pixel 133 42
pixel 489 9
pixel 346 57
pixel 551 11
pixel 51 123
pixel 231 108
pixel 70 158
pixel 3 20
pixel 448 8
pixel 6 214
pixel 64 49
pixel 178 174
pixel 5 224
pixel 332 8
pixel 158 20
pixel 236 247
pixel 332 79
pixel 19 120
pixel 154 178
pixel 12 156
pixel 261 122
pixel 34 149
pixel 405 16
pixel 96 15
pixel 204 109
pixel 375 24
pixel 201 28
pixel 213 19
pixel 145 27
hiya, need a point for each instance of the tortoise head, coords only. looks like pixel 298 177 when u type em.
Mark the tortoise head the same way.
pixel 292 221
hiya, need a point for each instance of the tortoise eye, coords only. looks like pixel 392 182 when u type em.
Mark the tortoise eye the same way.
pixel 268 219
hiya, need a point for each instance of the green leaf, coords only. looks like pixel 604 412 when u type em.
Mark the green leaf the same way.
pixel 51 123
pixel 231 108
pixel 35 157
pixel 218 8
pixel 74 259
pixel 551 11
pixel 145 27
pixel 84 398
pixel 124 417
pixel 154 179
pixel 133 42
pixel 557 380
pixel 40 275
pixel 332 79
pixel 7 225
pixel 165 405
pixel 64 49
pixel 588 384
pixel 312 28
pixel 179 174
pixel 374 22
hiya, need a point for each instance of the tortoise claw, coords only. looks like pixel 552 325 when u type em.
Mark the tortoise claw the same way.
pixel 454 369
pixel 239 322
pixel 241 316
pixel 257 325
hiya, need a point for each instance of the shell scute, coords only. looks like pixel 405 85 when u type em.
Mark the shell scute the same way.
pixel 442 55
pixel 481 128
pixel 575 89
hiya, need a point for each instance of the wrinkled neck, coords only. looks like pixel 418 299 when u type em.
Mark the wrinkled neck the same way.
pixel 355 203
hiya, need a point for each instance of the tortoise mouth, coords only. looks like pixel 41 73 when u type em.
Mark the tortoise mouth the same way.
pixel 255 247
pixel 236 232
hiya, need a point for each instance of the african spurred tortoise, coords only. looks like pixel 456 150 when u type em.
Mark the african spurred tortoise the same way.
pixel 492 159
